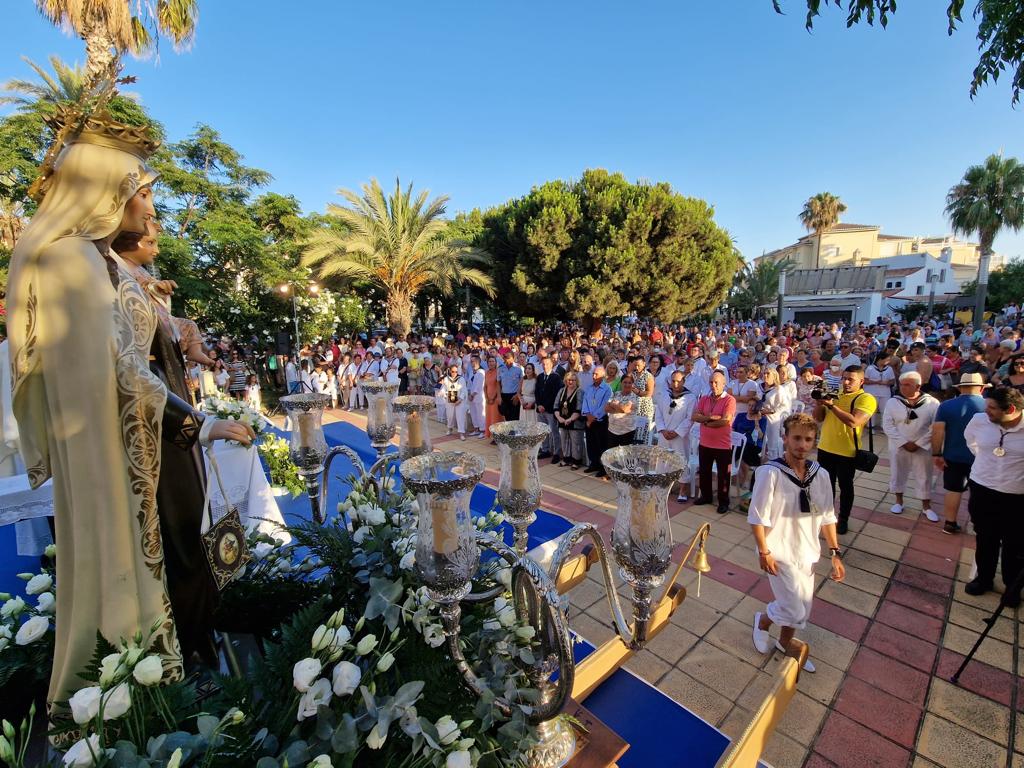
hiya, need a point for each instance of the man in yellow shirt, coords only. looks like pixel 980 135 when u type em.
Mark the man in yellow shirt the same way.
pixel 841 418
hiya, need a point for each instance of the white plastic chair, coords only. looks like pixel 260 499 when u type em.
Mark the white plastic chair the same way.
pixel 693 461
pixel 739 442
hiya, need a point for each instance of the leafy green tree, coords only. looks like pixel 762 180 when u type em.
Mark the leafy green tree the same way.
pixel 600 246
pixel 1004 286
pixel 819 214
pixel 398 244
pixel 112 27
pixel 988 199
pixel 1000 32
pixel 757 285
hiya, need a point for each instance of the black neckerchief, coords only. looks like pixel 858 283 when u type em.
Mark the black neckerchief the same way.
pixel 803 485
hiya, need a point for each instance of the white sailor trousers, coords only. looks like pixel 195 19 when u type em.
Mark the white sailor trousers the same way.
pixel 793 588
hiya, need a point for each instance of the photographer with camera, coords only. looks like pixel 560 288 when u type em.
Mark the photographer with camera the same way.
pixel 842 417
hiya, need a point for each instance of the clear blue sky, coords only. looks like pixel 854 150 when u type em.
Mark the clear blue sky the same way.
pixel 481 100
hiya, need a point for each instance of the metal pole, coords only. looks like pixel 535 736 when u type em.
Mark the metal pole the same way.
pixel 931 295
pixel 295 316
pixel 782 294
pixel 982 291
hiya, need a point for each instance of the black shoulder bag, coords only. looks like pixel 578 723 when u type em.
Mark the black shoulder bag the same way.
pixel 864 461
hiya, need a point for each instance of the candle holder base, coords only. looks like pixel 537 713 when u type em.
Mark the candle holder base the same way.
pixel 557 745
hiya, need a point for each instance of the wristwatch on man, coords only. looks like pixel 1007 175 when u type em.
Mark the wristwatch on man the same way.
pixel 836 552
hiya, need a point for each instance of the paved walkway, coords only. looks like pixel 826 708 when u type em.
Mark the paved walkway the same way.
pixel 884 642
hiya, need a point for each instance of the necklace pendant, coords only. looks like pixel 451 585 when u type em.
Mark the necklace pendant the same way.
pixel 999 451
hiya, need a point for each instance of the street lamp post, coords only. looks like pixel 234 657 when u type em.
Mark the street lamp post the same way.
pixel 290 288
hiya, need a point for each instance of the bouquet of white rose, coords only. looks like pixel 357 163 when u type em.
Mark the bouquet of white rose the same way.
pixel 223 407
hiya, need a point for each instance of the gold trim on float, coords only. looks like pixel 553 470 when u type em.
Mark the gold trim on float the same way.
pixel 745 751
pixel 607 658
pixel 575 569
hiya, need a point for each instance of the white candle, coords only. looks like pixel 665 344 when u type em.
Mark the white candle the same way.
pixel 446 529
pixel 520 467
pixel 643 516
pixel 380 409
pixel 414 427
pixel 307 429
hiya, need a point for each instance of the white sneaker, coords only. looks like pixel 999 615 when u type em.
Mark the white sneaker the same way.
pixel 462 437
pixel 449 431
pixel 681 498
pixel 896 509
pixel 762 640
pixel 808 665
pixel 930 514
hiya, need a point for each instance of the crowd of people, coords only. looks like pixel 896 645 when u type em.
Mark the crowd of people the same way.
pixel 719 395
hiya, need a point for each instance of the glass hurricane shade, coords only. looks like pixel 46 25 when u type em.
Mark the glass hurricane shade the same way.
pixel 447 554
pixel 642 536
pixel 380 419
pixel 307 446
pixel 412 414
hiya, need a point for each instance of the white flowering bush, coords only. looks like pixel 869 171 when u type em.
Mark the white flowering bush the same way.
pixel 356 673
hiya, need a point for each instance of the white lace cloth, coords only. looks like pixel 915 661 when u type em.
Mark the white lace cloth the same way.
pixel 19 502
pixel 246 487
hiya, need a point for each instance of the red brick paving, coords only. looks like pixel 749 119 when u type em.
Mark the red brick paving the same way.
pixel 942 566
pixel 890 676
pixel 839 620
pixel 903 618
pixel 918 599
pixel 851 745
pixel 930 582
pixel 901 646
pixel 881 712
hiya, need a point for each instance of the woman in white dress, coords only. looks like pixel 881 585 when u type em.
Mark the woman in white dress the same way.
pixel 527 395
pixel 773 408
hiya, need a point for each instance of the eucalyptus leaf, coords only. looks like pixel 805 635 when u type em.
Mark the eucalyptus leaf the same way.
pixel 207 724
pixel 345 737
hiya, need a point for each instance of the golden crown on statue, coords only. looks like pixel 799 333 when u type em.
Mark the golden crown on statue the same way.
pixel 90 123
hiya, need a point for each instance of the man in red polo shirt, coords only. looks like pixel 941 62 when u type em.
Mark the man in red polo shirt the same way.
pixel 715 413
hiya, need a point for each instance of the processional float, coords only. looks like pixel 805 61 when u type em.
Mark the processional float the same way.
pixel 448 555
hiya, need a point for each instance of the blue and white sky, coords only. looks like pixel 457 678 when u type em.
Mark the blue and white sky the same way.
pixel 481 100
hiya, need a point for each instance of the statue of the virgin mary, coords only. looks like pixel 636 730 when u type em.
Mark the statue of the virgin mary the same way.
pixel 91 415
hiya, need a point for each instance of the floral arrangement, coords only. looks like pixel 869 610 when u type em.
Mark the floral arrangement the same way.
pixel 357 673
pixel 283 472
pixel 224 407
pixel 27 633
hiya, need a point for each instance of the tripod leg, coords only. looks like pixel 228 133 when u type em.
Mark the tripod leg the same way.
pixel 990 622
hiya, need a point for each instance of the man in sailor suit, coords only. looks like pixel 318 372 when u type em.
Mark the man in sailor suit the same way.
pixel 907 421
pixel 672 412
pixel 476 395
pixel 791 504
pixel 456 395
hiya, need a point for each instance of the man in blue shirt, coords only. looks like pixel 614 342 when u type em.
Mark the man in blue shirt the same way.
pixel 595 398
pixel 949 449
pixel 509 377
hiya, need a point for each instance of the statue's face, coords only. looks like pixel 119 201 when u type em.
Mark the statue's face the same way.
pixel 138 212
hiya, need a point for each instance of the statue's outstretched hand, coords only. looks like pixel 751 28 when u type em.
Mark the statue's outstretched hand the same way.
pixel 230 429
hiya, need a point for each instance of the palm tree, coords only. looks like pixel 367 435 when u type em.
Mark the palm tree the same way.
pixel 109 28
pixel 989 198
pixel 398 244
pixel 757 285
pixel 819 214
pixel 65 85
pixel 12 222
